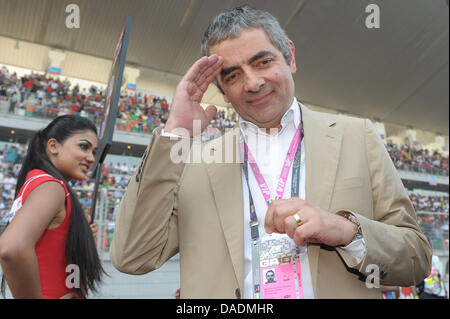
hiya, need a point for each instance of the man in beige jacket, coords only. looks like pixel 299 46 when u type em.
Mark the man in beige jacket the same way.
pixel 352 211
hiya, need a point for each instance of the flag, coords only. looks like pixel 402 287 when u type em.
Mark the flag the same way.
pixel 54 70
pixel 432 180
pixel 131 87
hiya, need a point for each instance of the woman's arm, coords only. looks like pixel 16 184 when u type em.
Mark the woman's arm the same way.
pixel 17 243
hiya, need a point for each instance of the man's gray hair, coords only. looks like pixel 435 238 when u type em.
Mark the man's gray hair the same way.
pixel 230 24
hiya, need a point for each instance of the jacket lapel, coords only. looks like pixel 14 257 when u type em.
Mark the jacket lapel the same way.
pixel 322 149
pixel 226 183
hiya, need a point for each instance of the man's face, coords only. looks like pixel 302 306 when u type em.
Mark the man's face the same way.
pixel 255 77
pixel 270 276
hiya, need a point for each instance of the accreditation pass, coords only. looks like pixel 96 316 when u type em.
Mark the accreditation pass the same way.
pixel 279 268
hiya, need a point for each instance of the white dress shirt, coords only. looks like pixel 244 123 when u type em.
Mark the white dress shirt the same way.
pixel 269 152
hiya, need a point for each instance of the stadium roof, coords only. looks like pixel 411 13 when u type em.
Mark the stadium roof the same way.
pixel 398 73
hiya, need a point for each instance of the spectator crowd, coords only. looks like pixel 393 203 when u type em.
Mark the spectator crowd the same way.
pixel 38 95
pixel 433 211
pixel 418 160
pixel 434 204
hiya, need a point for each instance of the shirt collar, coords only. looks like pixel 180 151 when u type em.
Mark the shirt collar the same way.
pixel 292 115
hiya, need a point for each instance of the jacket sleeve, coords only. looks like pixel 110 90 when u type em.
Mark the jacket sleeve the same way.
pixel 146 230
pixel 396 249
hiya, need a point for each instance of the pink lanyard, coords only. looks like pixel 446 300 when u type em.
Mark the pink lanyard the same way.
pixel 296 140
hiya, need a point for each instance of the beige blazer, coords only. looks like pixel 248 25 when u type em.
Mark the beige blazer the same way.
pixel 197 210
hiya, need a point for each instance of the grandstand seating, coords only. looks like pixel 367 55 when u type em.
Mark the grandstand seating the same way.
pixel 44 97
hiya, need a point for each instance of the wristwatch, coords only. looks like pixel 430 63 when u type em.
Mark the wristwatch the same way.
pixel 354 220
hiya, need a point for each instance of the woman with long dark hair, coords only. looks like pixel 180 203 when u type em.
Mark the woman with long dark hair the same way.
pixel 47 250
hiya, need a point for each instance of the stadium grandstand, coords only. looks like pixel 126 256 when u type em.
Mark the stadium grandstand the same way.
pixel 396 75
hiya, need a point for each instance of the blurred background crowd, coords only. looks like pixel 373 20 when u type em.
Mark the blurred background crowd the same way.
pixel 41 96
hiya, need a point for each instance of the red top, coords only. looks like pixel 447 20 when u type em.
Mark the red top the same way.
pixel 51 247
pixel 28 84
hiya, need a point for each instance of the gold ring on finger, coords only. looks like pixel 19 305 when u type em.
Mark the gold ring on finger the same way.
pixel 298 220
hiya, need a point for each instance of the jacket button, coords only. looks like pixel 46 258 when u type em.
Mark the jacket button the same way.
pixel 238 293
pixel 383 274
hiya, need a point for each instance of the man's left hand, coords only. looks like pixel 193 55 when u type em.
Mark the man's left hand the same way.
pixel 318 225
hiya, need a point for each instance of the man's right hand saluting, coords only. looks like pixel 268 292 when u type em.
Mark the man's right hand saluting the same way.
pixel 186 106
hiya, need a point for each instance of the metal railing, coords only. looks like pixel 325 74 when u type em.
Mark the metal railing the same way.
pixel 421 169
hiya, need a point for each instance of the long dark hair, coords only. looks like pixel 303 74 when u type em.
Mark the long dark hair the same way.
pixel 80 245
